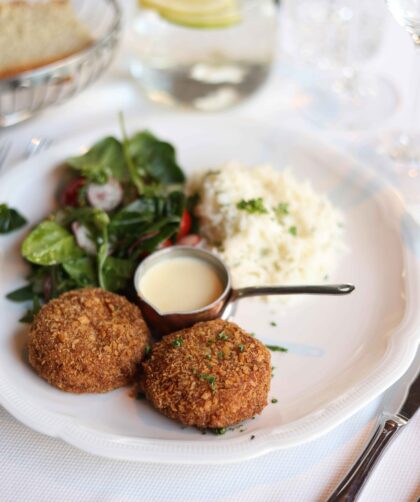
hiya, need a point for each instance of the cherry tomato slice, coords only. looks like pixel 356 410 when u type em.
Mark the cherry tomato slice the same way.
pixel 185 225
pixel 70 195
pixel 165 244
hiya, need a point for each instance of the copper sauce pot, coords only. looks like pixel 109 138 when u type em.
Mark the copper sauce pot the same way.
pixel 163 323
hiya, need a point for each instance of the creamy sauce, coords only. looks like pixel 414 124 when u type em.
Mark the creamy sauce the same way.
pixel 180 284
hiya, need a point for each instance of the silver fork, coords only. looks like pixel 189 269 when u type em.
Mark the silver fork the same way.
pixel 37 145
pixel 5 147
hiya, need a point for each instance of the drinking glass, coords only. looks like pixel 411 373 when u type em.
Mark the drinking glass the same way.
pixel 336 37
pixel 404 146
pixel 205 69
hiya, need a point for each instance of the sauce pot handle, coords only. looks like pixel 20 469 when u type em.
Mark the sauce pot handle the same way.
pixel 330 289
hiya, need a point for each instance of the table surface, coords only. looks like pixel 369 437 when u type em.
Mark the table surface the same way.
pixel 38 468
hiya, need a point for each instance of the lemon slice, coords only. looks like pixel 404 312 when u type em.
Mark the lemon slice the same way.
pixel 197 13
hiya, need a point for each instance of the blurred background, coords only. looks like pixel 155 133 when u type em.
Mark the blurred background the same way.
pixel 343 67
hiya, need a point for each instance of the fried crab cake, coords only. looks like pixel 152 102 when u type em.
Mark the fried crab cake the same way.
pixel 213 374
pixel 88 340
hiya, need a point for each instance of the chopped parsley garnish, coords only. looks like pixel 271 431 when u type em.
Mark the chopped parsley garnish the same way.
pixel 274 400
pixel 148 350
pixel 252 206
pixel 219 431
pixel 220 355
pixel 272 323
pixel 222 336
pixel 241 347
pixel 293 231
pixel 282 209
pixel 211 379
pixel 177 342
pixel 276 348
pixel 208 356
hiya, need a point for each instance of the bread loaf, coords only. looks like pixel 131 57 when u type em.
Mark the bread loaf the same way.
pixel 38 33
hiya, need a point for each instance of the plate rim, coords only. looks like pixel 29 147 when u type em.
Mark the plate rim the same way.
pixel 239 448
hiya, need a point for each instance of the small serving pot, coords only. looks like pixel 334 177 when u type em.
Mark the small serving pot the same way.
pixel 164 323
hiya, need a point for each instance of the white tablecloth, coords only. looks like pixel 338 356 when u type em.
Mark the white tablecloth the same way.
pixel 34 467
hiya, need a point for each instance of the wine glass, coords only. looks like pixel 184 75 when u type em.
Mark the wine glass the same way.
pixel 404 146
pixel 335 38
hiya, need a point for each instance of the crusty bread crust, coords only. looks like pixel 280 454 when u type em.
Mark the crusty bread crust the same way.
pixel 17 70
pixel 80 37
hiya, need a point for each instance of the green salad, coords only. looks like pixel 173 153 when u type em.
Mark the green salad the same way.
pixel 124 201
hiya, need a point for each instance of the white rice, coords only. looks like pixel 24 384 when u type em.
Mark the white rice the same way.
pixel 298 244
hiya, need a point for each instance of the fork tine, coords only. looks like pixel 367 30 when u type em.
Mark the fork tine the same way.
pixel 37 145
pixel 46 143
pixel 5 148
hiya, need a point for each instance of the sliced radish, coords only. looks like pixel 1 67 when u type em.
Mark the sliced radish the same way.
pixel 190 240
pixel 83 238
pixel 107 196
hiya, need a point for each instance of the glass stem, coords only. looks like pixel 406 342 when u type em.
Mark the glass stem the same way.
pixel 413 108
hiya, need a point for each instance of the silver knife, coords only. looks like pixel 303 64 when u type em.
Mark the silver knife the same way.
pixel 389 426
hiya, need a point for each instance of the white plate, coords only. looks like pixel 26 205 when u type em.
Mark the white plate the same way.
pixel 343 351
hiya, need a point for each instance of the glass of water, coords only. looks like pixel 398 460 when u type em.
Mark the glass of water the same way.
pixel 336 38
pixel 207 69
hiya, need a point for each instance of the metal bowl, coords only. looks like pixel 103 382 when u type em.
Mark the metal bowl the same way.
pixel 28 92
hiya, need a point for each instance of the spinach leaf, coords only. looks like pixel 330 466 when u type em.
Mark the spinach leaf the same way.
pixel 10 219
pixel 192 202
pixel 116 272
pixel 175 204
pixel 133 216
pixel 135 176
pixel 23 294
pixel 93 219
pixel 145 223
pixel 50 244
pixel 50 282
pixel 103 160
pixel 82 271
pixel 155 159
pixel 31 313
pixel 89 216
pixel 151 243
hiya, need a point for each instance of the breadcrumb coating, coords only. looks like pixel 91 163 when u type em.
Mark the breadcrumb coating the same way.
pixel 88 340
pixel 213 375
